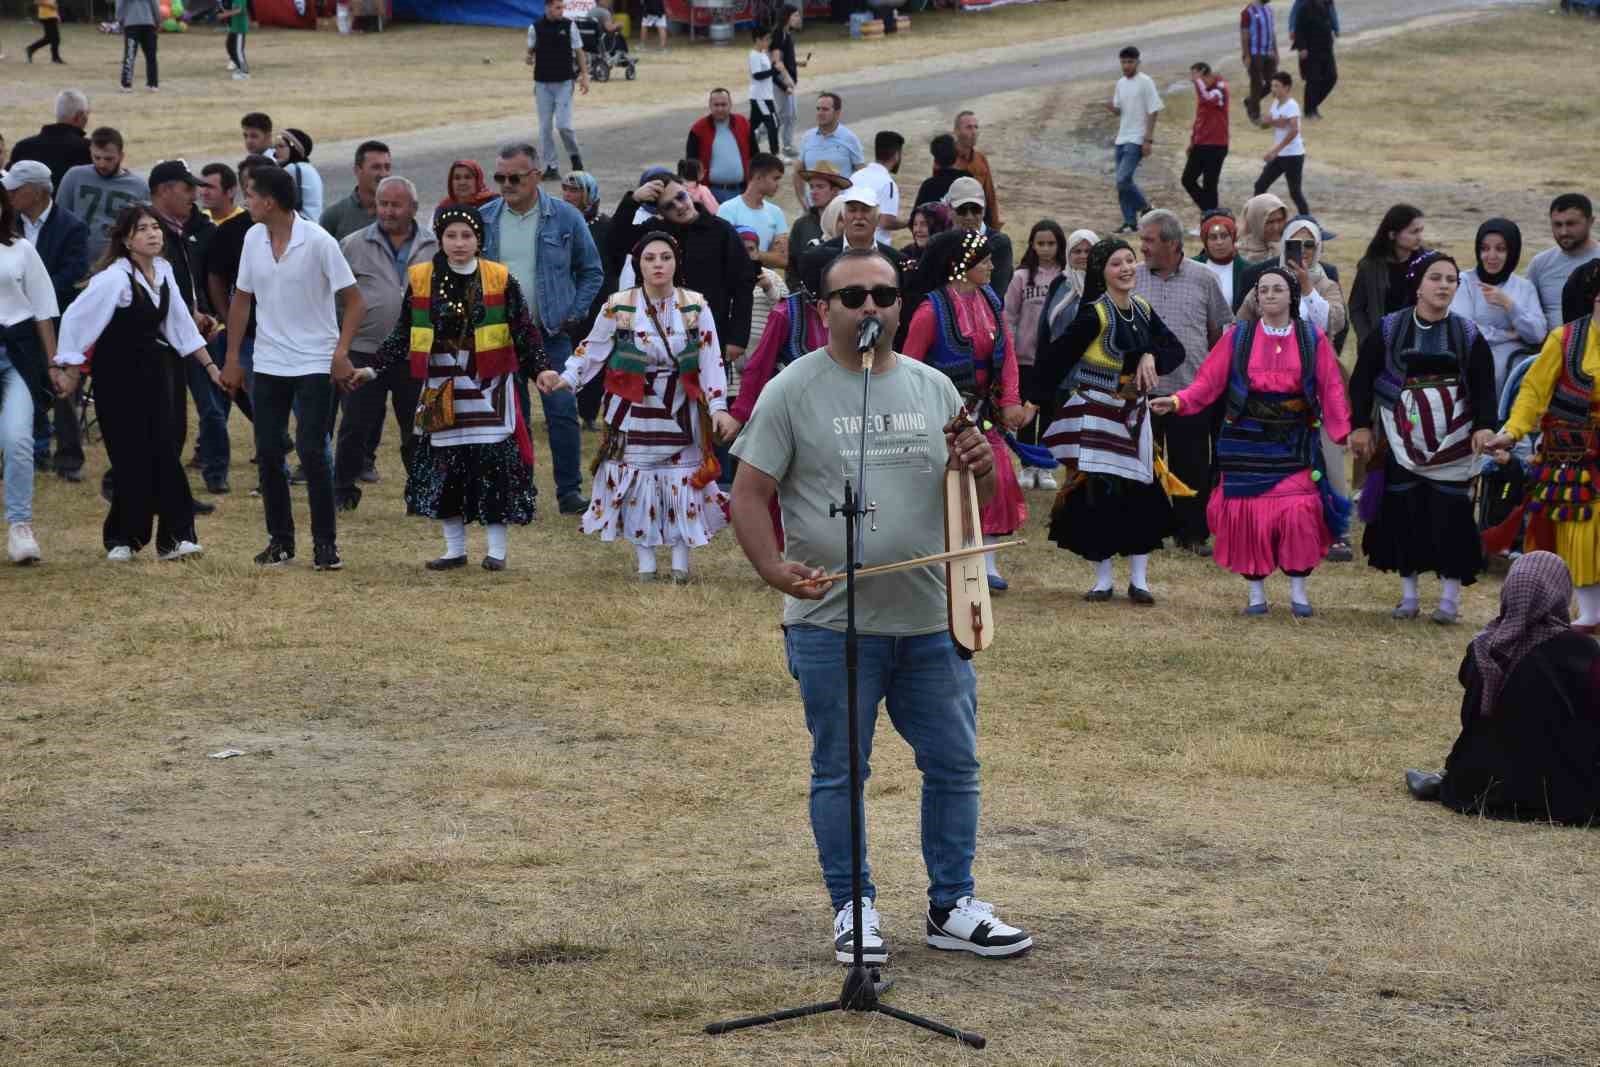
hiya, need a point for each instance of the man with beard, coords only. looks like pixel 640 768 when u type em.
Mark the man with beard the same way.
pixel 887 148
pixel 1571 223
pixel 823 182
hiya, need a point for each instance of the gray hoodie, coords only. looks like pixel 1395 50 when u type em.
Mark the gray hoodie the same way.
pixel 98 200
pixel 138 13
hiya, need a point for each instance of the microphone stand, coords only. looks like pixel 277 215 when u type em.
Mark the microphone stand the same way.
pixel 861 984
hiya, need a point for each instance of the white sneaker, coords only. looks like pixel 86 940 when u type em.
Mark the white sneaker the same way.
pixel 873 950
pixel 120 554
pixel 240 76
pixel 972 926
pixel 182 550
pixel 21 545
pixel 1025 478
pixel 1045 480
pixel 232 65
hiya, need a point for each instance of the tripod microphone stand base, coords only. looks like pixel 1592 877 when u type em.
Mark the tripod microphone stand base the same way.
pixel 862 988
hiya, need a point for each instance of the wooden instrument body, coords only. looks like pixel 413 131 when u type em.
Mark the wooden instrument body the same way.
pixel 966 579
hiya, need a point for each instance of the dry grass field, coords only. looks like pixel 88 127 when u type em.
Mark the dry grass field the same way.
pixel 552 816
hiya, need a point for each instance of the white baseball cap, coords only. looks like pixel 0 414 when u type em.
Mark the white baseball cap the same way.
pixel 860 194
pixel 25 172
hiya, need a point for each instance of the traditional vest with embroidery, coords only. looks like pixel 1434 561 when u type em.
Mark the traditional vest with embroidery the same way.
pixel 1102 363
pixel 794 342
pixel 491 334
pixel 1569 448
pixel 1400 340
pixel 1267 437
pixel 955 355
pixel 625 369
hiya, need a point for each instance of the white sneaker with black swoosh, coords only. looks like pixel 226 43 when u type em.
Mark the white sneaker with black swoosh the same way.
pixel 972 926
pixel 873 950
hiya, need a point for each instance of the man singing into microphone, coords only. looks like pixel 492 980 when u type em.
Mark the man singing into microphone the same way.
pixel 803 440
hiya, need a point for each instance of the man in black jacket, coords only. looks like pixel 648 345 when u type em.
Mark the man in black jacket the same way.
pixel 714 260
pixel 945 173
pixel 62 144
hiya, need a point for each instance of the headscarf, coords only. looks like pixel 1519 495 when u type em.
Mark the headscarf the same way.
pixel 1578 295
pixel 481 193
pixel 1094 281
pixel 832 216
pixel 1294 289
pixel 1534 607
pixel 938 216
pixel 458 213
pixel 1418 266
pixel 1513 237
pixel 1303 224
pixel 1075 277
pixel 1253 243
pixel 975 248
pixel 582 179
pixel 651 238
pixel 1214 220
pixel 299 142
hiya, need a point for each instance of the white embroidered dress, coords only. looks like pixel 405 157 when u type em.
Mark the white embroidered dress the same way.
pixel 645 496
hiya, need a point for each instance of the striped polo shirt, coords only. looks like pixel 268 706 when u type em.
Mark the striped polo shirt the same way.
pixel 1258 19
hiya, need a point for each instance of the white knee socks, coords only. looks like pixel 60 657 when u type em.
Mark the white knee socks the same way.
pixel 1409 593
pixel 1102 576
pixel 680 558
pixel 647 559
pixel 1297 589
pixel 1450 592
pixel 1140 576
pixel 1588 605
pixel 455 537
pixel 497 540
pixel 988 557
pixel 1258 591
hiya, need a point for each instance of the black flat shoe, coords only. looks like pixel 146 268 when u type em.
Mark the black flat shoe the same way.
pixel 492 564
pixel 1424 785
pixel 1098 596
pixel 1141 597
pixel 446 563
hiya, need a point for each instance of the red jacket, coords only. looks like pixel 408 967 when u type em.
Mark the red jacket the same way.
pixel 1210 114
pixel 702 134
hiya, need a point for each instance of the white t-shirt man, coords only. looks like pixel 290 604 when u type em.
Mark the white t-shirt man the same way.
pixel 877 176
pixel 1137 99
pixel 1286 109
pixel 767 220
pixel 297 327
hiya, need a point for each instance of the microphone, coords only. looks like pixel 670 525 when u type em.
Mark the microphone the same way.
pixel 867 339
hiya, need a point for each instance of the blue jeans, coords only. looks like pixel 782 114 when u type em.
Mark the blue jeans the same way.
pixel 312 398
pixel 16 439
pixel 1129 195
pixel 561 419
pixel 554 101
pixel 212 406
pixel 723 191
pixel 932 697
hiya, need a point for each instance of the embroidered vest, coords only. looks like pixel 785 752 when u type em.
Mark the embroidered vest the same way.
pixel 491 338
pixel 628 363
pixel 794 342
pixel 1563 476
pixel 1244 337
pixel 1101 365
pixel 953 353
pixel 1399 339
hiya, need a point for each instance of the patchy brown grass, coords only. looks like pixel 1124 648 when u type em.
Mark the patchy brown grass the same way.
pixel 555 815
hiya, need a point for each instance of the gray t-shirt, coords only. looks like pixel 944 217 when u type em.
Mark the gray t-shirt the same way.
pixel 98 200
pixel 1549 272
pixel 805 433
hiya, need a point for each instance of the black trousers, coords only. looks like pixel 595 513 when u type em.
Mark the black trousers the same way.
pixel 1033 429
pixel 1320 73
pixel 235 47
pixel 134 397
pixel 1203 172
pixel 52 37
pixel 1290 168
pixel 133 39
pixel 363 409
pixel 1187 442
pixel 764 113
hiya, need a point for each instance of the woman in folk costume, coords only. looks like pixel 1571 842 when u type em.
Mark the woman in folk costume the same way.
pixel 960 330
pixel 655 480
pixel 1426 376
pixel 1277 509
pixel 1560 400
pixel 1113 498
pixel 466 334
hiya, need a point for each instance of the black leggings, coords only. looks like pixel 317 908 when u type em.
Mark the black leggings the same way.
pixel 52 37
pixel 1290 168
pixel 762 113
pixel 236 52
pixel 1202 174
pixel 133 39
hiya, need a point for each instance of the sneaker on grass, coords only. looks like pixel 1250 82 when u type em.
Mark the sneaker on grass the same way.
pixel 873 950
pixel 972 926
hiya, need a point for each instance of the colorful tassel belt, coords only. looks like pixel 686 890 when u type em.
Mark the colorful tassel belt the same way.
pixel 1563 488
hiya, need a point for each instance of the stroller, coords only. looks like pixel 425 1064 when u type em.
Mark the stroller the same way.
pixel 607 49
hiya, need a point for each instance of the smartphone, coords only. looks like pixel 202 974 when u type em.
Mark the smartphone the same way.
pixel 807 59
pixel 1294 252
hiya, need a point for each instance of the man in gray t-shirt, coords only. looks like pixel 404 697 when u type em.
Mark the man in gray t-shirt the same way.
pixel 1571 224
pixel 803 441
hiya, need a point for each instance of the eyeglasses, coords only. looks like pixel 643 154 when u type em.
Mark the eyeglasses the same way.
pixel 512 179
pixel 853 296
pixel 970 209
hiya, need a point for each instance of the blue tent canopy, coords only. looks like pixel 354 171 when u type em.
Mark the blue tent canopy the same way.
pixel 516 13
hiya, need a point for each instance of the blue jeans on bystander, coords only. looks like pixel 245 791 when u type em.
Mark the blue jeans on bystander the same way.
pixel 1129 195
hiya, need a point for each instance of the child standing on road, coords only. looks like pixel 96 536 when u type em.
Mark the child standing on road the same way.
pixel 238 25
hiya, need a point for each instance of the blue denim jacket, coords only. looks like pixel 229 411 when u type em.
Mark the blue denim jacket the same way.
pixel 570 274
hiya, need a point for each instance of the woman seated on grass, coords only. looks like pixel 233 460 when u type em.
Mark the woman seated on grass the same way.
pixel 1530 720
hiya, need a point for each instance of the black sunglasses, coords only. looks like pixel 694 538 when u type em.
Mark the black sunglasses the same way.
pixel 970 209
pixel 853 296
pixel 514 179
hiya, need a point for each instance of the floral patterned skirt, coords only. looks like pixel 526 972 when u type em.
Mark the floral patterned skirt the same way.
pixel 652 506
pixel 478 483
